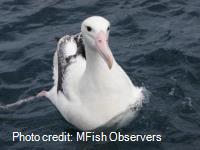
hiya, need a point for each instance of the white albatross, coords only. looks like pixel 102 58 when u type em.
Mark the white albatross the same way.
pixel 90 89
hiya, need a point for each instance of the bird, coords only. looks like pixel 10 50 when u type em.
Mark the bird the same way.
pixel 91 90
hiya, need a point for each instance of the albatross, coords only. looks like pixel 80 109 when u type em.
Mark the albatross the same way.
pixel 90 88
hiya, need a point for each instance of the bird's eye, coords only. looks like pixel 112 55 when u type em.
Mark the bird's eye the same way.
pixel 89 28
pixel 108 29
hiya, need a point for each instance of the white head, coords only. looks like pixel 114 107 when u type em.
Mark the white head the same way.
pixel 95 31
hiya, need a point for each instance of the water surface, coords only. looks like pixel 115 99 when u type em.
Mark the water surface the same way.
pixel 155 41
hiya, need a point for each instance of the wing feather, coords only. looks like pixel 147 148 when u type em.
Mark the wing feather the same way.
pixel 65 54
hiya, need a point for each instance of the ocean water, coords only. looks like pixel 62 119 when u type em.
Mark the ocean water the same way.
pixel 157 42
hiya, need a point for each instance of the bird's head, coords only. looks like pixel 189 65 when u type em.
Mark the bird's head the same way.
pixel 95 31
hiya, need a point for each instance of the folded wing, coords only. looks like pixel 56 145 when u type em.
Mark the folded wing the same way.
pixel 69 49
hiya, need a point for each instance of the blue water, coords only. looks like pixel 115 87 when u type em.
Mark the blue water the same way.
pixel 157 42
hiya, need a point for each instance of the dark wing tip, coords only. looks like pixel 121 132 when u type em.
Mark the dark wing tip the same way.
pixel 81 48
pixel 57 38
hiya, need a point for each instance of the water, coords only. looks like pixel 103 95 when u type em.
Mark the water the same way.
pixel 155 41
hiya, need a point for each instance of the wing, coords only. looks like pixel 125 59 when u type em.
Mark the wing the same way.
pixel 80 46
pixel 68 49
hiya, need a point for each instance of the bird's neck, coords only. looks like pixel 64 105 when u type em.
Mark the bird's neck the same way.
pixel 97 76
pixel 95 64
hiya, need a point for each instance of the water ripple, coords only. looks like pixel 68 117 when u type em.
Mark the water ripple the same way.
pixel 155 41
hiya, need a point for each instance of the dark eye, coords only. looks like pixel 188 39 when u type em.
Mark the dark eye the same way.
pixel 89 28
pixel 108 28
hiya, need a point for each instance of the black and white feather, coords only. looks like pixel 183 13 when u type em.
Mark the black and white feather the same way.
pixel 68 49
